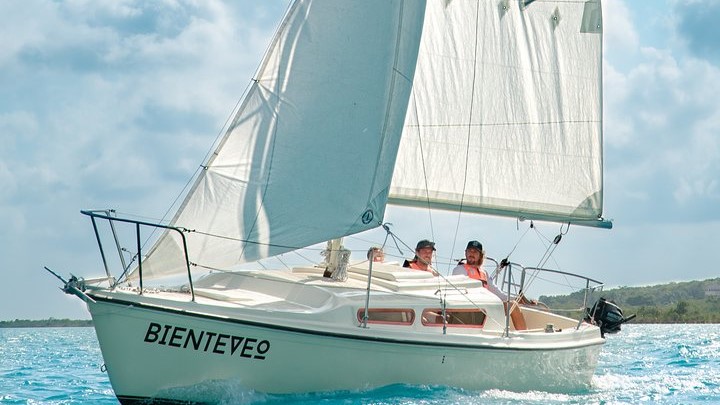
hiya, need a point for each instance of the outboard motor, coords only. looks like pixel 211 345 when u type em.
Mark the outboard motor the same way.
pixel 607 315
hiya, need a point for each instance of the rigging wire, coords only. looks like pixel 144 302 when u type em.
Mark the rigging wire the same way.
pixel 469 132
pixel 532 225
pixel 278 257
pixel 534 275
pixel 297 252
pixel 427 189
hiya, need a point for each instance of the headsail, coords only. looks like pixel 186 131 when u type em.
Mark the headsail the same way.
pixel 299 164
pixel 506 112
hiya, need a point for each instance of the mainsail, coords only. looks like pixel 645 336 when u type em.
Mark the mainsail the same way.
pixel 310 152
pixel 506 112
pixel 498 104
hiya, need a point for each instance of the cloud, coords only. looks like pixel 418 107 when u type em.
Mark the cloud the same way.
pixel 697 25
pixel 661 119
pixel 110 104
pixel 122 90
pixel 619 29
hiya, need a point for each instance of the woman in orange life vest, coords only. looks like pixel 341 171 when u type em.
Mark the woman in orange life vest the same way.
pixel 423 257
pixel 474 256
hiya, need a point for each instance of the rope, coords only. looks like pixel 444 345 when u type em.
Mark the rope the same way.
pixel 532 225
pixel 469 133
pixel 283 263
pixel 427 192
pixel 251 241
pixel 552 245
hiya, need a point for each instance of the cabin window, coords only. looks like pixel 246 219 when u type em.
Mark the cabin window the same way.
pixel 466 317
pixel 394 316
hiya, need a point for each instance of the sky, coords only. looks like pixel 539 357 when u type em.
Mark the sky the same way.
pixel 114 104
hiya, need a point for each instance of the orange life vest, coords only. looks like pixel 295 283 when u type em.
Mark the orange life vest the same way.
pixel 414 265
pixel 476 273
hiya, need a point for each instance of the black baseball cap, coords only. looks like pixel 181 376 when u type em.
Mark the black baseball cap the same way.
pixel 425 243
pixel 473 244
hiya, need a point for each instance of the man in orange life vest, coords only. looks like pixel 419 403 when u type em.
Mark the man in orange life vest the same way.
pixel 474 257
pixel 423 257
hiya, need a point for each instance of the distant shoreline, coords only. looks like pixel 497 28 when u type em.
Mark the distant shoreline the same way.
pixel 46 323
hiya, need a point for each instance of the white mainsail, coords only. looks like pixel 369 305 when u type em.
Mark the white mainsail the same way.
pixel 506 112
pixel 300 162
pixel 505 118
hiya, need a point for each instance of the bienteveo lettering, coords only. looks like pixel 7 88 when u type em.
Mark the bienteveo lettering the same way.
pixel 206 341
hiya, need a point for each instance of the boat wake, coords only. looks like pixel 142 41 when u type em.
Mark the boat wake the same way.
pixel 225 392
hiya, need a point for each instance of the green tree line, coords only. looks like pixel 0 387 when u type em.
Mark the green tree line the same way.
pixel 44 323
pixel 682 302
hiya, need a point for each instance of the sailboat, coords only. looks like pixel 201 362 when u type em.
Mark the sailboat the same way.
pixel 488 107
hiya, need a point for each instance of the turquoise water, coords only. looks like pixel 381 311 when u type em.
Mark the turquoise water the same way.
pixel 644 364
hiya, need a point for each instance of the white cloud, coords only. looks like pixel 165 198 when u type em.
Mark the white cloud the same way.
pixel 661 130
pixel 110 104
pixel 621 36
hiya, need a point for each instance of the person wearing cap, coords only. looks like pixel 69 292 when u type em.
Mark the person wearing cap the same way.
pixel 472 267
pixel 423 256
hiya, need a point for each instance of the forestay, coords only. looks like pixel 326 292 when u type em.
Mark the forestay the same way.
pixel 299 163
pixel 505 116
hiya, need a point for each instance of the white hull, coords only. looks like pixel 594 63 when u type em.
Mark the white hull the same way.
pixel 150 351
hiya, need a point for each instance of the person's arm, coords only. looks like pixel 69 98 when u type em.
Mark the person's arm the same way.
pixel 523 299
pixel 493 288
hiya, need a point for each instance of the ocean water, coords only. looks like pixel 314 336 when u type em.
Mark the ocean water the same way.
pixel 643 364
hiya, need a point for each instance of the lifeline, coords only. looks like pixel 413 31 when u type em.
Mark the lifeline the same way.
pixel 218 343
